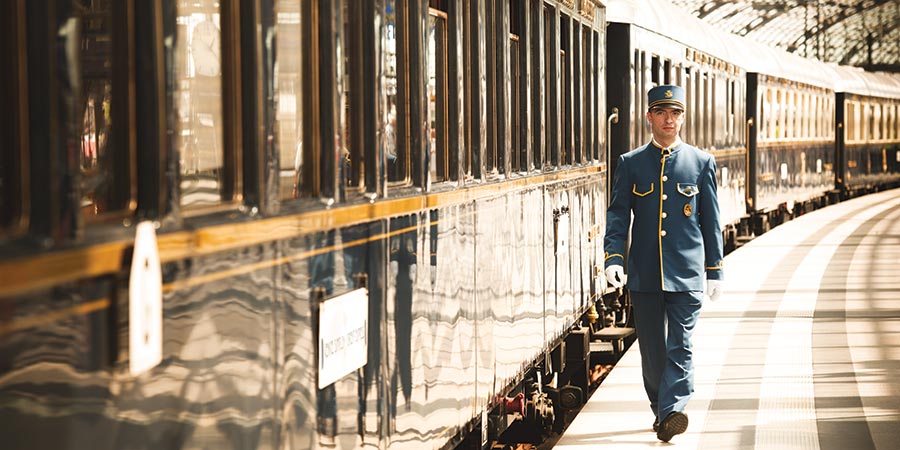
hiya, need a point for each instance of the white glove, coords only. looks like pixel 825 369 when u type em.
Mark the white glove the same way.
pixel 714 289
pixel 615 276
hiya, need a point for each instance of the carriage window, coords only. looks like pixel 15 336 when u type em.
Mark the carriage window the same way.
pixel 719 108
pixel 436 46
pixel 790 127
pixel 889 121
pixel 762 112
pixel 96 98
pixel 470 90
pixel 289 92
pixel 892 125
pixel 103 117
pixel 654 70
pixel 698 103
pixel 735 123
pixel 731 108
pixel 497 91
pixel 805 115
pixel 706 125
pixel 870 121
pixel 876 122
pixel 551 88
pixel 565 85
pixel 815 123
pixel 575 94
pixel 13 113
pixel 810 115
pixel 772 121
pixel 587 97
pixel 537 115
pixel 600 132
pixel 198 101
pixel 667 72
pixel 516 104
pixel 395 154
pixel 863 121
pixel 780 113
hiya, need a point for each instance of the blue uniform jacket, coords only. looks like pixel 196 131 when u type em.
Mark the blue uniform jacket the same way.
pixel 676 237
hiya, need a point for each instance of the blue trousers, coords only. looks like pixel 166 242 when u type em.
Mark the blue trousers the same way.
pixel 665 322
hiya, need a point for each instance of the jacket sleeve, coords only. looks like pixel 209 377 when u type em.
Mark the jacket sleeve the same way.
pixel 618 217
pixel 709 222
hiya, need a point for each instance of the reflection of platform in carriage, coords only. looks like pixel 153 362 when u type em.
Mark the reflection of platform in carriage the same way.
pixel 799 352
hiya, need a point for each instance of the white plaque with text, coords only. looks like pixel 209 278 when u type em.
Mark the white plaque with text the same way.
pixel 343 345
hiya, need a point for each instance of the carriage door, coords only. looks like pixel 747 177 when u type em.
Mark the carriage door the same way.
pixel 560 304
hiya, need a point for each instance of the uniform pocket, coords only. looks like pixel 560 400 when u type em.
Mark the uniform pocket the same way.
pixel 688 189
pixel 643 190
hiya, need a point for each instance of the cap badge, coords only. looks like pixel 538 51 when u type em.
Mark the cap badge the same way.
pixel 688 209
pixel 669 93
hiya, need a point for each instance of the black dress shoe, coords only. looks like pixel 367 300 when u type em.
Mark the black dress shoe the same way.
pixel 675 423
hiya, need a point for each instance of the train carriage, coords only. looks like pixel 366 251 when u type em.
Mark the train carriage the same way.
pixel 448 157
pixel 867 127
pixel 377 223
pixel 791 146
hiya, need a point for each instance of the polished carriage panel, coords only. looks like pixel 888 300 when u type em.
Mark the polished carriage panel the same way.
pixel 218 352
pixel 52 360
pixel 793 173
pixel 295 381
pixel 731 173
pixel 508 233
pixel 431 348
pixel 870 165
pixel 211 388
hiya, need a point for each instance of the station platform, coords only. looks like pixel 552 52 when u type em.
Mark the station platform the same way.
pixel 801 352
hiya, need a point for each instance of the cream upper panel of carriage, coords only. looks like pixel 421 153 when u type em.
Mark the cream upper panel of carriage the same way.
pixel 591 11
pixel 675 28
pixel 658 45
pixel 666 19
pixel 855 80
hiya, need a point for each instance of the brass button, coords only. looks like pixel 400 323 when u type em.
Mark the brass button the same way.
pixel 664 215
pixel 665 178
pixel 662 233
pixel 665 196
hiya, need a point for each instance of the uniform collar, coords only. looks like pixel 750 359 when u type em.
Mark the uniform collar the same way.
pixel 670 149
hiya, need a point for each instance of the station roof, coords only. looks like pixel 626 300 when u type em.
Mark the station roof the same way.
pixel 859 33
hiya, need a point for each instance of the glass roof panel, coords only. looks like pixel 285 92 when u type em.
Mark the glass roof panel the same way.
pixel 861 33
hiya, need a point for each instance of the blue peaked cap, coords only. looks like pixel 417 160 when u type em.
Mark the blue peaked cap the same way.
pixel 666 96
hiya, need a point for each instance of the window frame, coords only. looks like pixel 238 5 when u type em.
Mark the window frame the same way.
pixel 15 82
pixel 551 105
pixel 231 183
pixel 441 164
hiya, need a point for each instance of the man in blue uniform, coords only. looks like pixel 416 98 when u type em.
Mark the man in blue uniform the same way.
pixel 676 246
